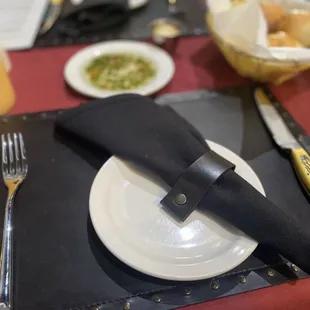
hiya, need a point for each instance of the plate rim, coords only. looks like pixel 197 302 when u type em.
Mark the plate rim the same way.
pixel 202 276
pixel 101 45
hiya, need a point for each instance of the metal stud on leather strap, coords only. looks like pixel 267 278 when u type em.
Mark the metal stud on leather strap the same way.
pixel 126 306
pixel 180 199
pixel 194 183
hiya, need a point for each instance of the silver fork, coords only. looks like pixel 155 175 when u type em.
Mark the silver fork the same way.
pixel 14 170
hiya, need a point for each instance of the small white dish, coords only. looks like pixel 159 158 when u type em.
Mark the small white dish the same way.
pixel 127 216
pixel 76 77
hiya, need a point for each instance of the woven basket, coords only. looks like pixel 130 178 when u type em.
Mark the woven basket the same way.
pixel 258 69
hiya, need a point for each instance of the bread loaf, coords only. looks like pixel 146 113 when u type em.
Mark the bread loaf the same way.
pixel 297 25
pixel 273 14
pixel 282 39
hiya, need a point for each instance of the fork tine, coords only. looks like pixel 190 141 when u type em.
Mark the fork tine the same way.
pixel 4 155
pixel 23 153
pixel 11 156
pixel 16 149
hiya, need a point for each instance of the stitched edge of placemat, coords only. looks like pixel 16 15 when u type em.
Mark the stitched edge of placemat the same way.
pixel 211 288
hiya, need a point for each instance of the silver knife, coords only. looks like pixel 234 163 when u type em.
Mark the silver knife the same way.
pixel 284 138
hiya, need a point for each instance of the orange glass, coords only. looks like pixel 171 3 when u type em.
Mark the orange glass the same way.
pixel 7 95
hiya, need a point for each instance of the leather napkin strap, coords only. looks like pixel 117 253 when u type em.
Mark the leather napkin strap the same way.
pixel 194 183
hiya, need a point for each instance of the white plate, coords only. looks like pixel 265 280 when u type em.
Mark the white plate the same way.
pixel 127 215
pixel 74 68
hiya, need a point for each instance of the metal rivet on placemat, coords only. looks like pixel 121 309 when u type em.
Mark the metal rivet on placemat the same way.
pixel 43 115
pixel 69 41
pixel 95 39
pixel 294 268
pixel 55 41
pixel 215 285
pixel 187 291
pixel 5 120
pixel 270 273
pixel 24 118
pixel 180 199
pixel 157 298
pixel 242 279
pixel 276 104
pixel 292 124
pixel 197 31
pixel 126 306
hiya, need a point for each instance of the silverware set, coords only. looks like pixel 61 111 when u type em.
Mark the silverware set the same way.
pixel 14 171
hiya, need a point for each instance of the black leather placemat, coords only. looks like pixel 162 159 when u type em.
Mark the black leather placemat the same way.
pixel 137 26
pixel 59 261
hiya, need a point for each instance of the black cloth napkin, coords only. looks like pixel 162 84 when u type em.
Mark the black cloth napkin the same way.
pixel 85 17
pixel 134 128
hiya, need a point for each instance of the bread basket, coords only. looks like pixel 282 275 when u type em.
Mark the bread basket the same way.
pixel 261 70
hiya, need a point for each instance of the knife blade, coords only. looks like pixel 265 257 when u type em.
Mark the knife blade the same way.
pixel 284 138
pixel 289 121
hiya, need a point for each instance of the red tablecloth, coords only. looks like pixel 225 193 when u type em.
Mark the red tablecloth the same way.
pixel 37 77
